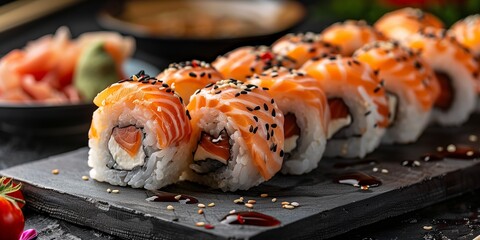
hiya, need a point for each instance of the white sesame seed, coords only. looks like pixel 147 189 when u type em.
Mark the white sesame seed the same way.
pixel 288 206
pixel 55 171
pixel 451 148
pixel 375 169
pixel 416 163
pixel 263 195
pixel 211 204
pixel 85 178
pixel 364 187
pixel 285 203
pixel 178 197
pixel 109 190
pixel 201 205
pixel 238 201
pixel 274 199
pixel 427 227
pixel 115 191
pixel 251 201
pixel 248 205
pixel 200 224
pixel 384 170
pixel 295 204
pixel 439 149
pixel 200 211
pixel 473 138
pixel 170 207
pixel 470 153
pixel 232 211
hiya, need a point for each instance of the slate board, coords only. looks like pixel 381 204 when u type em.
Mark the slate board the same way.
pixel 327 208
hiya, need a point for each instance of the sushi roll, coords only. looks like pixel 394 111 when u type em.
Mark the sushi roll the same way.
pixel 411 91
pixel 456 71
pixel 350 35
pixel 238 129
pixel 357 102
pixel 400 24
pixel 139 134
pixel 243 62
pixel 467 32
pixel 306 113
pixel 303 46
pixel 187 77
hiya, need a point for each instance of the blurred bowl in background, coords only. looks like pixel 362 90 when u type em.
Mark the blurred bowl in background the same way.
pixel 179 30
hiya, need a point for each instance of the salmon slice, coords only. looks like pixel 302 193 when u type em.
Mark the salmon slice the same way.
pixel 129 138
pixel 188 77
pixel 216 146
pixel 399 24
pixel 350 35
pixel 445 99
pixel 159 100
pixel 302 47
pixel 338 108
pixel 251 110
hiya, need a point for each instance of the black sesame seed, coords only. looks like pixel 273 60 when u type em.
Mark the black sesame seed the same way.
pixel 268 136
pixel 202 74
pixel 251 128
pixel 250 109
pixel 209 85
pixel 252 69
pixel 281 153
pixel 255 118
pixel 272 101
pixel 265 106
pixel 164 85
pixel 376 89
pixel 368 113
pixel 243 92
pixel 273 113
pixel 218 92
pixel 257 108
pixel 418 65
pixel 267 126
pixel 192 74
pixel 274 125
pixel 168 90
pixel 271 133
pixel 188 115
pixel 255 130
pixel 237 94
pixel 209 75
pixel 265 88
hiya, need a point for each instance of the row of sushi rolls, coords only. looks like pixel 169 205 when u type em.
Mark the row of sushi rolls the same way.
pixel 256 111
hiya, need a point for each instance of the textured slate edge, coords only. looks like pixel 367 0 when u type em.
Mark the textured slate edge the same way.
pixel 326 224
pixel 64 207
pixel 390 204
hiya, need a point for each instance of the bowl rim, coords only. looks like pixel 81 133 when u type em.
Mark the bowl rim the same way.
pixel 108 20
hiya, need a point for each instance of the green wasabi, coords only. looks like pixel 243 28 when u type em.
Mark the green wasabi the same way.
pixel 95 71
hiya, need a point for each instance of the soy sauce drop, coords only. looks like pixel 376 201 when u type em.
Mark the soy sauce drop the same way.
pixel 358 179
pixel 160 196
pixel 250 218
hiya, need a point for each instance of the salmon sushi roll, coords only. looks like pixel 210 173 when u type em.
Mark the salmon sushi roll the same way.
pixel 400 24
pixel 411 88
pixel 357 102
pixel 456 71
pixel 306 113
pixel 467 32
pixel 187 77
pixel 301 47
pixel 350 35
pixel 139 134
pixel 238 129
pixel 243 62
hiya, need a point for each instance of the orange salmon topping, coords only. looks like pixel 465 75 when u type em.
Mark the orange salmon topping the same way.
pixel 290 126
pixel 445 98
pixel 338 108
pixel 129 138
pixel 218 146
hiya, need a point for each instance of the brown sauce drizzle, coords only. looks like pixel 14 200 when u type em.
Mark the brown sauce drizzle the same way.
pixel 251 218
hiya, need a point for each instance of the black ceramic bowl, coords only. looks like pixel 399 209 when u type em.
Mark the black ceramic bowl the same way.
pixel 160 29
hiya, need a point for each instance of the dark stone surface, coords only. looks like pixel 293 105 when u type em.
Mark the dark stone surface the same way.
pixel 327 209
